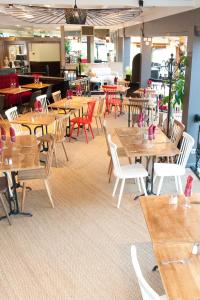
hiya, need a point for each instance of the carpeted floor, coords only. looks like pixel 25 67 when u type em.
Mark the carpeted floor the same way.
pixel 81 249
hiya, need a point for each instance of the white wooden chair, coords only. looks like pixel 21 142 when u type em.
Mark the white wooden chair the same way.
pixel 11 115
pixel 135 171
pixel 56 96
pixel 146 290
pixel 43 99
pixel 177 169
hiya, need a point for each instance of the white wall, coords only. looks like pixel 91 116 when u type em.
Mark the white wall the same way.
pixel 44 52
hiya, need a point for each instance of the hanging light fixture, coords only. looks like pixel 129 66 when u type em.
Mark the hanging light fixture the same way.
pixel 75 15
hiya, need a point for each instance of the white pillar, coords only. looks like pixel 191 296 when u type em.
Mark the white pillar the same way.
pixel 146 52
pixel 62 47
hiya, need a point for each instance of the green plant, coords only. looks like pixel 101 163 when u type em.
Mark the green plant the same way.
pixel 67 46
pixel 178 84
pixel 128 71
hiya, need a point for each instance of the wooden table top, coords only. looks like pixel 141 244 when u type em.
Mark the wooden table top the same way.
pixel 132 139
pixel 76 102
pixel 171 223
pixel 36 118
pixel 141 90
pixel 17 90
pixel 33 85
pixel 117 88
pixel 24 154
pixel 181 281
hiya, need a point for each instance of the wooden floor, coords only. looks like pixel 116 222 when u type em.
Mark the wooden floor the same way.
pixel 81 249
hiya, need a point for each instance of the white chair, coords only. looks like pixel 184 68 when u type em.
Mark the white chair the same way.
pixel 146 290
pixel 43 100
pixel 56 96
pixel 136 171
pixel 11 115
pixel 175 169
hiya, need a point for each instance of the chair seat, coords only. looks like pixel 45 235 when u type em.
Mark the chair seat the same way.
pixel 39 173
pixel 80 120
pixel 167 169
pixel 132 171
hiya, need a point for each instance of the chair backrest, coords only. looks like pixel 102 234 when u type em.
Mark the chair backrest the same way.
pixel 90 110
pixel 146 290
pixel 177 132
pixel 61 123
pixel 43 100
pixel 56 96
pixel 49 158
pixel 99 107
pixel 106 134
pixel 11 115
pixel 185 150
pixel 33 98
pixel 115 158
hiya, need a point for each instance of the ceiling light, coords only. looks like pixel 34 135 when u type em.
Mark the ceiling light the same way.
pixel 75 15
pixel 29 16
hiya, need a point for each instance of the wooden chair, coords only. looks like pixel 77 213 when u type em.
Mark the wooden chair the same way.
pixel 44 102
pixel 99 111
pixel 177 132
pixel 56 96
pixel 146 290
pixel 11 115
pixel 120 151
pixel 111 99
pixel 59 134
pixel 135 107
pixel 40 173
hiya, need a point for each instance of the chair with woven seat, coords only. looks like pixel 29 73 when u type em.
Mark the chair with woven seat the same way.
pixel 120 151
pixel 11 115
pixel 3 190
pixel 131 171
pixel 146 290
pixel 56 96
pixel 59 134
pixel 40 173
pixel 177 169
pixel 83 121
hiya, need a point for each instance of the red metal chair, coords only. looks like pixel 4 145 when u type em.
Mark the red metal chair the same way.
pixel 83 121
pixel 111 99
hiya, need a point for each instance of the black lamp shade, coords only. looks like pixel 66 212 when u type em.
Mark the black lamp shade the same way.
pixel 75 16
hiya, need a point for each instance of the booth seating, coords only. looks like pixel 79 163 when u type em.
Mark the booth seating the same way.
pixel 13 99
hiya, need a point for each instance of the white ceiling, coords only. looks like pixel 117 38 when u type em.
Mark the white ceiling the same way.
pixel 153 9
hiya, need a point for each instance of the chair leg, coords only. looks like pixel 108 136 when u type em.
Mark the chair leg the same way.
pixel 130 160
pixel 64 149
pixel 97 125
pixel 120 193
pixel 100 122
pixel 109 166
pixel 55 154
pixel 160 185
pixel 72 129
pixel 138 183
pixel 48 192
pixel 23 196
pixel 143 186
pixel 91 130
pixel 115 187
pixel 78 131
pixel 111 170
pixel 180 185
pixel 5 209
pixel 176 183
pixel 86 136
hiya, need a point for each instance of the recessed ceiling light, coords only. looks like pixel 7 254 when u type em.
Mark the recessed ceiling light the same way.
pixel 29 16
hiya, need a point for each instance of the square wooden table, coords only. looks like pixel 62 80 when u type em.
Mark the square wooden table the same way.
pixel 14 91
pixel 36 86
pixel 180 280
pixel 24 154
pixel 171 223
pixel 132 140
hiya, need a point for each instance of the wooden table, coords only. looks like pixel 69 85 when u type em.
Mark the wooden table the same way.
pixel 25 155
pixel 123 82
pixel 11 90
pixel 171 223
pixel 181 281
pixel 132 139
pixel 37 119
pixel 141 91
pixel 36 86
pixel 76 103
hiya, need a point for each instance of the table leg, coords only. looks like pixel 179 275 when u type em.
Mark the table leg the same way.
pixel 129 115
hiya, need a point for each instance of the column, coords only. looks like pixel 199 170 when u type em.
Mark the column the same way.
pixel 119 49
pixel 191 103
pixel 90 49
pixel 127 53
pixel 62 47
pixel 146 51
